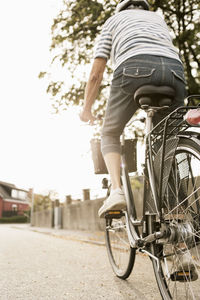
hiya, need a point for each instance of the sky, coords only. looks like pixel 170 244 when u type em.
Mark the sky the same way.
pixel 39 149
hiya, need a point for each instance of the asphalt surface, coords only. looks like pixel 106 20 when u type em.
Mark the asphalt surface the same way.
pixel 39 263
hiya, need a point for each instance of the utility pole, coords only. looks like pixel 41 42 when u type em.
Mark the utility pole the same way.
pixel 32 205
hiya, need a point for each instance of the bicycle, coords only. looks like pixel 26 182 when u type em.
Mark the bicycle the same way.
pixel 169 230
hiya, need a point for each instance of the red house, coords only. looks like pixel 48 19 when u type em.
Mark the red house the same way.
pixel 13 201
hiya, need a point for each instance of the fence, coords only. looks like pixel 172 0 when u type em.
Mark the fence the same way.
pixel 78 215
pixel 75 216
pixel 43 218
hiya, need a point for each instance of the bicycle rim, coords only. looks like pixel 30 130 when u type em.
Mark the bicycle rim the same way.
pixel 121 255
pixel 178 270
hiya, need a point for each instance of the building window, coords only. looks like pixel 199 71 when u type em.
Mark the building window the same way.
pixel 14 194
pixel 19 194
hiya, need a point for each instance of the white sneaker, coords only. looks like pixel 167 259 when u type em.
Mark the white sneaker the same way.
pixel 115 201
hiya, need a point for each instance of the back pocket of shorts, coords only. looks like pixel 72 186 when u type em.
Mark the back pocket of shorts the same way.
pixel 133 76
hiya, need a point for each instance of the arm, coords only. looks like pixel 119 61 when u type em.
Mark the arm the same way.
pixel 92 88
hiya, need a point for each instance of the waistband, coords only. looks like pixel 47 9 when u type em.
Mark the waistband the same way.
pixel 150 59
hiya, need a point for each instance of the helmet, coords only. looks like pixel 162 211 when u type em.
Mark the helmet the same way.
pixel 123 4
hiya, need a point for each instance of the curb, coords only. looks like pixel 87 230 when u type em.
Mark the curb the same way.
pixel 70 235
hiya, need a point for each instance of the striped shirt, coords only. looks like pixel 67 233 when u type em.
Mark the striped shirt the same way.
pixel 133 32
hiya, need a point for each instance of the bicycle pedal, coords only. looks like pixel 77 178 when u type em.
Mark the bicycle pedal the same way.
pixel 114 214
pixel 183 276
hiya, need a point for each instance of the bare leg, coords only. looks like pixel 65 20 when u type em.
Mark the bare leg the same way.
pixel 113 161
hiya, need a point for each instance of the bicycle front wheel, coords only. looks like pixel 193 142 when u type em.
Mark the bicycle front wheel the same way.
pixel 177 267
pixel 120 253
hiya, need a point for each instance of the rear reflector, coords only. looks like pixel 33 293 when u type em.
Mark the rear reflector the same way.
pixel 192 117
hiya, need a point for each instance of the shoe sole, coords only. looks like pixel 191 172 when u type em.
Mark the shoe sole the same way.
pixel 118 206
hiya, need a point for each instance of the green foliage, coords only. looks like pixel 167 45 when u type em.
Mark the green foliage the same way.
pixel 183 18
pixel 76 28
pixel 44 201
pixel 14 219
pixel 42 74
pixel 136 183
pixel 74 34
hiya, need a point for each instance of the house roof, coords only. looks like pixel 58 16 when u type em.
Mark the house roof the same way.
pixel 5 191
pixel 11 186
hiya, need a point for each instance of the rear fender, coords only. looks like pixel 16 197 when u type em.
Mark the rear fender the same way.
pixel 192 135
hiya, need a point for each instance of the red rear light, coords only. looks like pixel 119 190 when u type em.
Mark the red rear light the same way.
pixel 192 117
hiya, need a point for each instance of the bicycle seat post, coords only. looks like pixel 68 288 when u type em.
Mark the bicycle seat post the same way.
pixel 149 122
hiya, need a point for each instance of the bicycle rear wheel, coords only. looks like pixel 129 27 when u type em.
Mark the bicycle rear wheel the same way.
pixel 120 253
pixel 177 269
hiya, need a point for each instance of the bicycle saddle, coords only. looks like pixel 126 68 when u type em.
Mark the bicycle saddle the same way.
pixel 156 96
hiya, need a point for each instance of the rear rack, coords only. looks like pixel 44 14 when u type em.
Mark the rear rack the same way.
pixel 172 124
pixel 168 127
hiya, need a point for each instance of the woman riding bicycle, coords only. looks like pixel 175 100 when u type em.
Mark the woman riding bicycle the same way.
pixel 140 47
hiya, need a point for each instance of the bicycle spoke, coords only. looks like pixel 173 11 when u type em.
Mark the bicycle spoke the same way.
pixel 120 253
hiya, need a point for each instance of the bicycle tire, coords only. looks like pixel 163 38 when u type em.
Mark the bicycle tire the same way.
pixel 177 268
pixel 121 255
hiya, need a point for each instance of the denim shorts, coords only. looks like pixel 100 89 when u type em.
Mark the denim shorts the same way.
pixel 127 78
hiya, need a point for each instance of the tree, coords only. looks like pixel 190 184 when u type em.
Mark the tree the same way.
pixel 42 202
pixel 74 32
pixel 183 17
pixel 76 28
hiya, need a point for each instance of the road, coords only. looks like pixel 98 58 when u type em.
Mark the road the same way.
pixel 40 266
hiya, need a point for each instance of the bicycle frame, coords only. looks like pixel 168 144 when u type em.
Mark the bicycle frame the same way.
pixel 131 216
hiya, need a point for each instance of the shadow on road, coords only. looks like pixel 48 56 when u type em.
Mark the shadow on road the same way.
pixel 128 291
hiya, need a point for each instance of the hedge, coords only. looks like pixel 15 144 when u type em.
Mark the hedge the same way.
pixel 14 219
